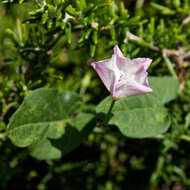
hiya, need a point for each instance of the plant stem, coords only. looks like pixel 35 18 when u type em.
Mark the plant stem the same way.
pixel 109 111
pixel 111 106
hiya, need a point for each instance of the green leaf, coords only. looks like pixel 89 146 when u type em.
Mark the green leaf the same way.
pixel 104 105
pixel 143 115
pixel 44 123
pixel 73 136
pixel 164 88
pixel 140 117
pixel 68 33
pixel 44 17
pixel 13 36
pixel 164 10
pixel 71 10
pixel 95 37
pixel 92 50
pixel 141 43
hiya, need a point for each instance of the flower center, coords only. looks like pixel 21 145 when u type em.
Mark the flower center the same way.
pixel 125 76
pixel 122 77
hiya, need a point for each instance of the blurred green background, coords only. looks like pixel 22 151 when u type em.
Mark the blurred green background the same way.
pixel 41 46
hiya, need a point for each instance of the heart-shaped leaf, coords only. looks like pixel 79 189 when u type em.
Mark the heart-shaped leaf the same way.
pixel 44 122
pixel 143 115
pixel 138 117
pixel 164 88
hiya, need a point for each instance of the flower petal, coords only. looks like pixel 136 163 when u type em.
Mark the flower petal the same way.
pixel 131 88
pixel 117 51
pixel 143 61
pixel 105 72
pixel 130 66
pixel 141 75
pixel 121 61
pixel 124 77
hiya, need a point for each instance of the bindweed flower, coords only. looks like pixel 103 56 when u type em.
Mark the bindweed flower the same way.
pixel 122 76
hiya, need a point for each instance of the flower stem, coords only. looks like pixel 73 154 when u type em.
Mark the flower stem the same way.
pixel 111 106
pixel 109 111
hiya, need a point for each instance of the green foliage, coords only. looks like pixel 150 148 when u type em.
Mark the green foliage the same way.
pixel 48 43
pixel 45 114
pixel 164 88
pixel 129 113
pixel 43 123
pixel 142 122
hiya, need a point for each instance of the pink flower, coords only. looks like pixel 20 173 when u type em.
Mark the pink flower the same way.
pixel 124 77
